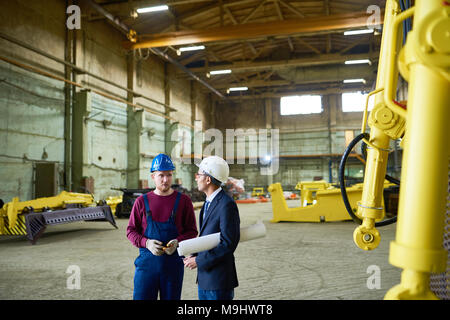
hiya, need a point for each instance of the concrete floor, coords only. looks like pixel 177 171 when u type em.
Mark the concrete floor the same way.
pixel 294 261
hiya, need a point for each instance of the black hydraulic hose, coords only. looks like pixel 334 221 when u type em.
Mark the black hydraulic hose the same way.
pixel 349 149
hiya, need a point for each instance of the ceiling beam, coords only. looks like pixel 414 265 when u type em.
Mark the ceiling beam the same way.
pixel 254 30
pixel 323 59
pixel 294 10
pixel 308 75
pixel 329 90
pixel 279 83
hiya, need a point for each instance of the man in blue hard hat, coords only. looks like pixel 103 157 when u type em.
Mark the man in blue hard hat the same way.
pixel 158 221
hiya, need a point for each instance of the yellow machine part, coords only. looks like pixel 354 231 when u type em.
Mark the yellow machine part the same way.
pixel 19 228
pixel 385 124
pixel 308 190
pixel 329 205
pixel 113 202
pixel 10 212
pixel 425 59
pixel 257 192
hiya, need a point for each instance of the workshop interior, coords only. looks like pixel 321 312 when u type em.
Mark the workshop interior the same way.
pixel 332 115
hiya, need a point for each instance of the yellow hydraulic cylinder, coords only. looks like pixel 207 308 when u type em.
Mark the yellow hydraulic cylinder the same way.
pixel 385 125
pixel 418 246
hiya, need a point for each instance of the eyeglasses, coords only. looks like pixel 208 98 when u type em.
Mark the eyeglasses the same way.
pixel 200 174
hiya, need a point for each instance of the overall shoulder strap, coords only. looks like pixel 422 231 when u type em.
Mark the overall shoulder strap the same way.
pixel 147 204
pixel 175 207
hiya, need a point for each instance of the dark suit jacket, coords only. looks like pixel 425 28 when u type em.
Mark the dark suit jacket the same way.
pixel 216 269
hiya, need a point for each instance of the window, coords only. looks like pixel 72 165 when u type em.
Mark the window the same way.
pixel 305 104
pixel 354 101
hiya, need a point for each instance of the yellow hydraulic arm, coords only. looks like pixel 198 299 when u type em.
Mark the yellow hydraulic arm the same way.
pixel 424 61
pixel 385 124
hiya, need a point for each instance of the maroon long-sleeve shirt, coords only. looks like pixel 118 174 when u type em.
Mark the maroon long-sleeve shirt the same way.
pixel 161 207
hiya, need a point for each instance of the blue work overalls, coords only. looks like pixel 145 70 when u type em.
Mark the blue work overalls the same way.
pixel 163 274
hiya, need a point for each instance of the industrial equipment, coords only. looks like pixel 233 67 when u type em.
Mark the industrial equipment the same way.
pixel 308 191
pixel 123 209
pixel 113 202
pixel 31 218
pixel 125 204
pixel 424 62
pixel 328 204
pixel 256 192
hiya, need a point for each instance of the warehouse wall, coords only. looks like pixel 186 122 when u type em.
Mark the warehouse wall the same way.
pixel 32 106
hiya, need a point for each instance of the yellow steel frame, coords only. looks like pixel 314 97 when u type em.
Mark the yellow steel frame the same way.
pixel 424 62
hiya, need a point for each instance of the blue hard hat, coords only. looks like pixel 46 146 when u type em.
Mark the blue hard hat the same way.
pixel 162 162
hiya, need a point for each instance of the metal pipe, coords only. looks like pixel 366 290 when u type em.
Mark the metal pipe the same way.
pixel 121 26
pixel 106 95
pixel 158 52
pixel 180 66
pixel 74 67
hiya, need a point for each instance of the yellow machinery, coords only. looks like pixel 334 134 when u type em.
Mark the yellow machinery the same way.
pixel 113 202
pixel 30 218
pixel 257 192
pixel 424 61
pixel 328 206
pixel 308 191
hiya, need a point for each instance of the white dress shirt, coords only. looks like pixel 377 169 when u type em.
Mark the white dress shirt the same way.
pixel 209 199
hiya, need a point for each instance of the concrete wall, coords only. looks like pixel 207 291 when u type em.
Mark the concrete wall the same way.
pixel 32 106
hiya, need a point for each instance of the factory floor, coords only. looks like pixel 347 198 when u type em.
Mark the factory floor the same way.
pixel 294 261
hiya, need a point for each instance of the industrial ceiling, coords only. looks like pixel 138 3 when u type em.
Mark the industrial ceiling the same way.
pixel 271 47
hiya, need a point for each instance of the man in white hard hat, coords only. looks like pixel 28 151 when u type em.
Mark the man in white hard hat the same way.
pixel 216 269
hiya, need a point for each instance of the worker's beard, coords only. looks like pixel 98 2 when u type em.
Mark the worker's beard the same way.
pixel 164 187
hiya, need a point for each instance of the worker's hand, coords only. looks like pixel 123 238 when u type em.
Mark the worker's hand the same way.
pixel 190 262
pixel 155 247
pixel 171 246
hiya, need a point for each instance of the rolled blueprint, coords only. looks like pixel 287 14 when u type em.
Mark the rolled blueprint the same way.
pixel 210 241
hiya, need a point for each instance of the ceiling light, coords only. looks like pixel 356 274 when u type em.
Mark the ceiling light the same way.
pixel 237 89
pixel 353 32
pixel 358 61
pixel 152 9
pixel 354 80
pixel 220 72
pixel 191 48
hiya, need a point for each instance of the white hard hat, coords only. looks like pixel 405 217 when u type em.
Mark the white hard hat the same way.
pixel 216 167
